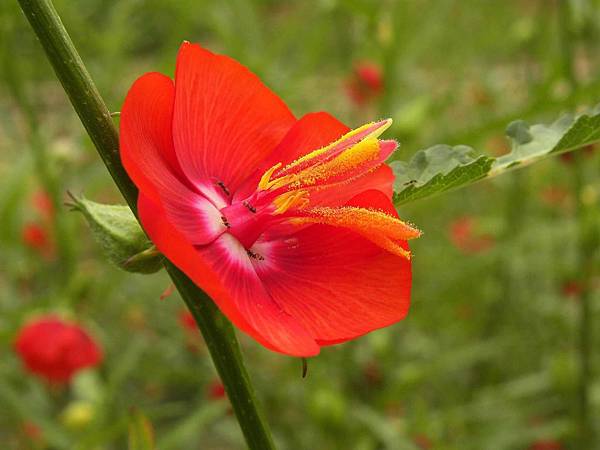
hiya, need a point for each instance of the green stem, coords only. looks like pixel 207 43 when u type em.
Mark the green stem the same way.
pixel 80 88
pixel 586 244
pixel 226 354
pixel 217 331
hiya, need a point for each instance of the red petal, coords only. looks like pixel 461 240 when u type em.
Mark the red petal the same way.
pixel 194 216
pixel 381 179
pixel 374 200
pixel 312 131
pixel 336 283
pixel 146 141
pixel 230 282
pixel 338 146
pixel 275 326
pixel 149 158
pixel 226 121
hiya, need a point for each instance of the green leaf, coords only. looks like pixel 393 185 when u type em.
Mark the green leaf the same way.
pixel 442 167
pixel 437 169
pixel 118 232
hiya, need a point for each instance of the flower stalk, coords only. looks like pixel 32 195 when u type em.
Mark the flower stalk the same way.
pixel 96 118
pixel 587 245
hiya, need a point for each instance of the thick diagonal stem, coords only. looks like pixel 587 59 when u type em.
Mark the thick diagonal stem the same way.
pixel 95 116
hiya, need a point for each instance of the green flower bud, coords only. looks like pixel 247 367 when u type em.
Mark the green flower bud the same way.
pixel 120 235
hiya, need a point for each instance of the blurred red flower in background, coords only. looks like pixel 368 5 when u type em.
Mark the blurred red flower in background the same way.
pixel 569 157
pixel 33 432
pixel 55 349
pixel 36 237
pixel 42 203
pixel 186 320
pixel 365 83
pixel 37 234
pixel 215 390
pixel 571 289
pixel 423 442
pixel 266 212
pixel 546 445
pixel 464 236
pixel 556 195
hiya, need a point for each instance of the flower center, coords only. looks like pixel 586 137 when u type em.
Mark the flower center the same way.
pixel 283 193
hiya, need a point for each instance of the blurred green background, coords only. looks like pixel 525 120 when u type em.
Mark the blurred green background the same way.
pixel 490 354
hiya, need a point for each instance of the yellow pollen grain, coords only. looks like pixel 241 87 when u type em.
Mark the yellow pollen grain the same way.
pixel 347 181
pixel 265 181
pixel 344 164
pixel 284 202
pixel 350 158
pixel 379 227
pixel 316 153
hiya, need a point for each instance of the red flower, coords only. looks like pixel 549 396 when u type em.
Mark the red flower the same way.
pixel 32 431
pixel 36 237
pixel 56 350
pixel 37 234
pixel 569 157
pixel 555 195
pixel 215 390
pixel 464 237
pixel 186 320
pixel 42 203
pixel 572 289
pixel 365 83
pixel 423 442
pixel 546 445
pixel 298 247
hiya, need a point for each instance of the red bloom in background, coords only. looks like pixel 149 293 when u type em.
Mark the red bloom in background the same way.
pixel 286 223
pixel 55 349
pixel 555 195
pixel 546 445
pixel 186 320
pixel 366 82
pixel 37 234
pixel 32 431
pixel 215 390
pixel 423 442
pixel 36 237
pixel 569 157
pixel 572 289
pixel 463 235
pixel 42 203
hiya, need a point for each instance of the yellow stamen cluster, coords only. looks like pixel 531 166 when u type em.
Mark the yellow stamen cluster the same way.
pixel 344 164
pixel 379 227
pixel 328 167
pixel 365 150
pixel 287 200
pixel 316 153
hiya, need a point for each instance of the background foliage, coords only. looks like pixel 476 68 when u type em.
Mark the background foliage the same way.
pixel 490 355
